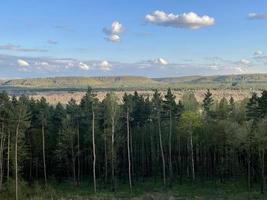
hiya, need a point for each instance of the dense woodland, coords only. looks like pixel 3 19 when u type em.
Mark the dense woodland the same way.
pixel 132 141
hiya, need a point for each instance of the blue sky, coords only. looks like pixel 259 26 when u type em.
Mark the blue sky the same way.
pixel 154 38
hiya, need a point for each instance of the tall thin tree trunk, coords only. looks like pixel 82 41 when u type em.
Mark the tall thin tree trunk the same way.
pixel 180 159
pixel 8 155
pixel 129 153
pixel 106 158
pixel 152 152
pixel 192 156
pixel 73 160
pixel 188 158
pixel 143 153
pixel 78 156
pixel 262 158
pixel 44 161
pixel 16 156
pixel 249 170
pixel 112 153
pixel 170 148
pixel 2 138
pixel 94 153
pixel 161 150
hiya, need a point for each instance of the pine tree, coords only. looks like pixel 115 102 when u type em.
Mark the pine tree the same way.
pixel 207 103
pixel 253 111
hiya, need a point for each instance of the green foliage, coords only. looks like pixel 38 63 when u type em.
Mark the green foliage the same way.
pixel 190 102
pixel 163 134
pixel 190 121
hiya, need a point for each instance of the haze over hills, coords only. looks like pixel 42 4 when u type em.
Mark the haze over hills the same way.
pixel 247 81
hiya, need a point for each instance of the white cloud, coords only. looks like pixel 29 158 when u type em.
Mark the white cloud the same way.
pixel 239 70
pixel 244 62
pixel 258 53
pixel 185 20
pixel 214 67
pixel 113 38
pixel 22 63
pixel 161 61
pixel 113 34
pixel 84 66
pixel 116 27
pixel 257 16
pixel 105 66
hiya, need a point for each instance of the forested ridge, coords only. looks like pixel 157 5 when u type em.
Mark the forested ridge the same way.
pixel 132 141
pixel 239 81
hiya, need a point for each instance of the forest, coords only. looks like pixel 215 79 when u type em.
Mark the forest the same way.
pixel 138 139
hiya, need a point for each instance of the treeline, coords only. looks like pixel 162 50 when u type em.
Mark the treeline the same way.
pixel 131 141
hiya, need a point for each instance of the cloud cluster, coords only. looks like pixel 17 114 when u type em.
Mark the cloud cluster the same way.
pixel 160 61
pixel 244 62
pixel 14 66
pixel 255 16
pixel 105 65
pixel 186 20
pixel 258 53
pixel 84 66
pixel 113 34
pixel 22 63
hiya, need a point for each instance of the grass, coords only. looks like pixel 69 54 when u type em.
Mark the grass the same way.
pixel 232 190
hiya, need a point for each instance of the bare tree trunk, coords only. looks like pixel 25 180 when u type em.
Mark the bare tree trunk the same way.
pixel 94 154
pixel 262 155
pixel 2 138
pixel 16 155
pixel 112 153
pixel 187 157
pixel 162 152
pixel 8 155
pixel 152 151
pixel 78 149
pixel 73 159
pixel 129 153
pixel 106 159
pixel 170 149
pixel 192 156
pixel 249 170
pixel 44 162
pixel 180 159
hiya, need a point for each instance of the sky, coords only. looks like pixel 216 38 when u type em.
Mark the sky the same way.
pixel 153 38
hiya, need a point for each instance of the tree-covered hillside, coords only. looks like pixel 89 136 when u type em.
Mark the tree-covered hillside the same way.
pixel 249 81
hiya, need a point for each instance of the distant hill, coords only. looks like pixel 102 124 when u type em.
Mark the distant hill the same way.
pixel 82 82
pixel 247 81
